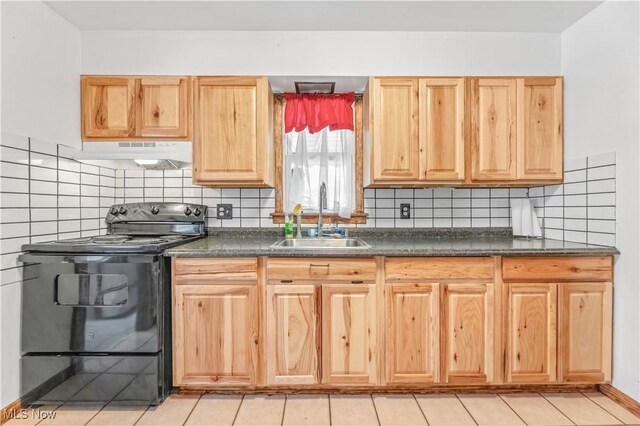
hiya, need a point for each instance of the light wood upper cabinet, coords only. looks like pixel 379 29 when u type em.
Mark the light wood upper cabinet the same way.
pixel 531 333
pixel 233 131
pixel 108 107
pixel 135 108
pixel 493 129
pixel 163 107
pixel 467 332
pixel 215 331
pixel 293 334
pixel 394 139
pixel 412 332
pixel 584 336
pixel 540 128
pixel 349 352
pixel 442 121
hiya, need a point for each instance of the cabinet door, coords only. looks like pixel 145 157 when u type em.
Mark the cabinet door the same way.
pixel 531 333
pixel 467 333
pixel 493 132
pixel 540 129
pixel 349 349
pixel 293 334
pixel 232 129
pixel 412 333
pixel 442 128
pixel 107 107
pixel 396 150
pixel 585 332
pixel 215 335
pixel 162 107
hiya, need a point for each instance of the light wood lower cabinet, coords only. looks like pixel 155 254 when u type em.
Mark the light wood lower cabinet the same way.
pixel 467 333
pixel 585 332
pixel 412 322
pixel 349 334
pixel 293 334
pixel 531 333
pixel 412 332
pixel 215 330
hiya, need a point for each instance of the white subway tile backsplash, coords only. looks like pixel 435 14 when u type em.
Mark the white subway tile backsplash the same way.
pixel 68 177
pixel 13 245
pixel 601 239
pixel 606 172
pixel 12 215
pixel 14 230
pixel 42 215
pixel 14 155
pixel 602 199
pixel 14 170
pixel 602 213
pixel 575 164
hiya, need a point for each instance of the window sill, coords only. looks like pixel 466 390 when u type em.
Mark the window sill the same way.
pixel 356 218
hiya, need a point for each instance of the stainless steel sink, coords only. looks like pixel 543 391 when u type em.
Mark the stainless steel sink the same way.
pixel 321 243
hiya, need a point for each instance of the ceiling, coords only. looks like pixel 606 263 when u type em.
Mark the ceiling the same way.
pixel 304 15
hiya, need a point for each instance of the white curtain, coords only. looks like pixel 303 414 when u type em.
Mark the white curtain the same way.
pixel 310 159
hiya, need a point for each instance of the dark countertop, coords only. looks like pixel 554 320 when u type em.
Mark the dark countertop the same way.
pixel 389 242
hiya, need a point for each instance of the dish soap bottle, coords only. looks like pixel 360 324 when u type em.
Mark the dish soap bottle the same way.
pixel 288 226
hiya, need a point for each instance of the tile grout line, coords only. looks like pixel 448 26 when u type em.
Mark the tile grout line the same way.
pixel 559 410
pixel 466 409
pixel 329 401
pixel 284 409
pixel 235 417
pixel 596 402
pixel 420 408
pixel 511 408
pixel 373 401
pixel 194 405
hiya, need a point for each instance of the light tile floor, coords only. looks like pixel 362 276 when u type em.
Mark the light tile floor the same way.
pixel 434 410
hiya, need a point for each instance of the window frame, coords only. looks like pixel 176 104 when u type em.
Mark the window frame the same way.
pixel 278 216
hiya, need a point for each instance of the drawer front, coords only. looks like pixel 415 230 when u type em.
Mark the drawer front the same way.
pixel 211 270
pixel 321 269
pixel 545 269
pixel 438 268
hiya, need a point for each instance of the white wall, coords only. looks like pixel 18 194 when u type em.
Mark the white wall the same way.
pixel 600 62
pixel 40 73
pixel 319 53
pixel 40 99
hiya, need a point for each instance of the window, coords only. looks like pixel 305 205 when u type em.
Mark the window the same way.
pixel 313 158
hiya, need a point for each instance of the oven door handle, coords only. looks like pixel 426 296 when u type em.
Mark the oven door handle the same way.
pixel 71 258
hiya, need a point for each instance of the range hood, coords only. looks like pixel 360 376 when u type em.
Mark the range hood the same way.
pixel 150 154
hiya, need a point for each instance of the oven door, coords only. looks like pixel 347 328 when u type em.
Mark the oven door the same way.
pixel 91 304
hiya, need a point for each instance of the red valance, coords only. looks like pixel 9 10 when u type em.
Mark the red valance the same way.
pixel 317 111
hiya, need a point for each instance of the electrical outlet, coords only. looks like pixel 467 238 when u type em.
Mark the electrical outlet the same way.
pixel 405 211
pixel 224 211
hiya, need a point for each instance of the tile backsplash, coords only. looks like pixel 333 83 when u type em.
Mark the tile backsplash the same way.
pixel 46 195
pixel 583 208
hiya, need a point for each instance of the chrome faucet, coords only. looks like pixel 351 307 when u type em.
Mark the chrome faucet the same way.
pixel 322 204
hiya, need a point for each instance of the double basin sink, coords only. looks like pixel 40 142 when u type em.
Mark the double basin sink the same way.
pixel 321 243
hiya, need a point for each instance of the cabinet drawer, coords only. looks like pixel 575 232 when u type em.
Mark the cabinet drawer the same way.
pixel 208 270
pixel 438 268
pixel 545 269
pixel 321 269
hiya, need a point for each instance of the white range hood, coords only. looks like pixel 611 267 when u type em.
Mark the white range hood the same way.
pixel 167 153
